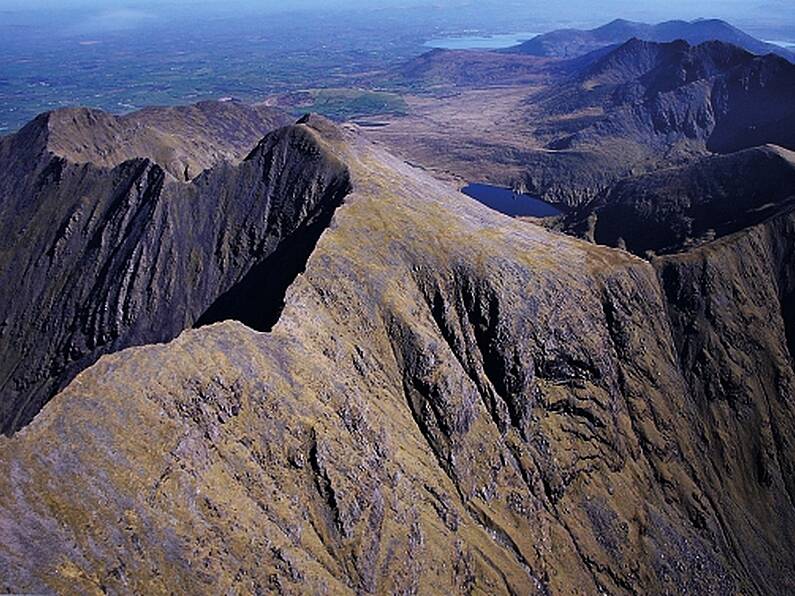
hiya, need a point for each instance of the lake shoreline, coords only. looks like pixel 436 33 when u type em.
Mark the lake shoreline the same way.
pixel 509 202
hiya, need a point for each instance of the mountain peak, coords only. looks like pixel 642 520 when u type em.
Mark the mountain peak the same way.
pixel 677 62
pixel 322 125
pixel 183 140
pixel 571 43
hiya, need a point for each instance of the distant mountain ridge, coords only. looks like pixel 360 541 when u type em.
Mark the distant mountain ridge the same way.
pixel 713 96
pixel 183 140
pixel 662 66
pixel 571 43
pixel 468 68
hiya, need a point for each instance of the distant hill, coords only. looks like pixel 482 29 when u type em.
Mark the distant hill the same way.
pixel 712 96
pixel 471 68
pixel 570 43
pixel 183 140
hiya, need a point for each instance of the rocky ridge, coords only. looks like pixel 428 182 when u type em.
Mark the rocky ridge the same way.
pixel 679 99
pixel 183 140
pixel 451 401
pixel 95 259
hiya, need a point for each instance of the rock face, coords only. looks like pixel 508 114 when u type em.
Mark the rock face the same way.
pixel 732 309
pixel 451 401
pixel 570 43
pixel 183 140
pixel 677 208
pixel 94 259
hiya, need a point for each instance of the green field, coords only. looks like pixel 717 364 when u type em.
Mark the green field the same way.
pixel 344 104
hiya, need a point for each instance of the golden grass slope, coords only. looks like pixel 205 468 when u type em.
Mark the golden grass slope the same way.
pixel 452 402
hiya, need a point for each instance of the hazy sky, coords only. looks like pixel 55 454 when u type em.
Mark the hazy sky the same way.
pixel 756 15
pixel 121 54
pixel 660 8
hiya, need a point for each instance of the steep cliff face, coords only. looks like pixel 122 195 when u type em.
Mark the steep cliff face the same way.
pixel 451 401
pixel 95 259
pixel 731 307
pixel 677 208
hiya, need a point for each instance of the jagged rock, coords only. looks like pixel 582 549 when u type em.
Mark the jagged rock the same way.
pixel 95 259
pixel 678 208
pixel 451 401
pixel 676 97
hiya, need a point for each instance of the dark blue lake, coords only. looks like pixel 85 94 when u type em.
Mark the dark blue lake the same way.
pixel 508 202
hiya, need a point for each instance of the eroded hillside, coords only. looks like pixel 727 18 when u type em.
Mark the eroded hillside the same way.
pixel 451 401
pixel 95 258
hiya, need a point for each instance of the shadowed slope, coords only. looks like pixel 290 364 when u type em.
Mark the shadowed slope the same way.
pixel 94 259
pixel 673 209
pixel 647 106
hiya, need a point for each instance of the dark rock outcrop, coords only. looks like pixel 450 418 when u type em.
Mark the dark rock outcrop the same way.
pixel 96 259
pixel 677 208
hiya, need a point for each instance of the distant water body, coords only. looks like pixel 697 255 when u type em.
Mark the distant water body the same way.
pixel 479 42
pixel 510 203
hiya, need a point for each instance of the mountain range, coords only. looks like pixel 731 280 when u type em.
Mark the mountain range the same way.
pixel 245 354
pixel 565 130
pixel 659 103
pixel 570 43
